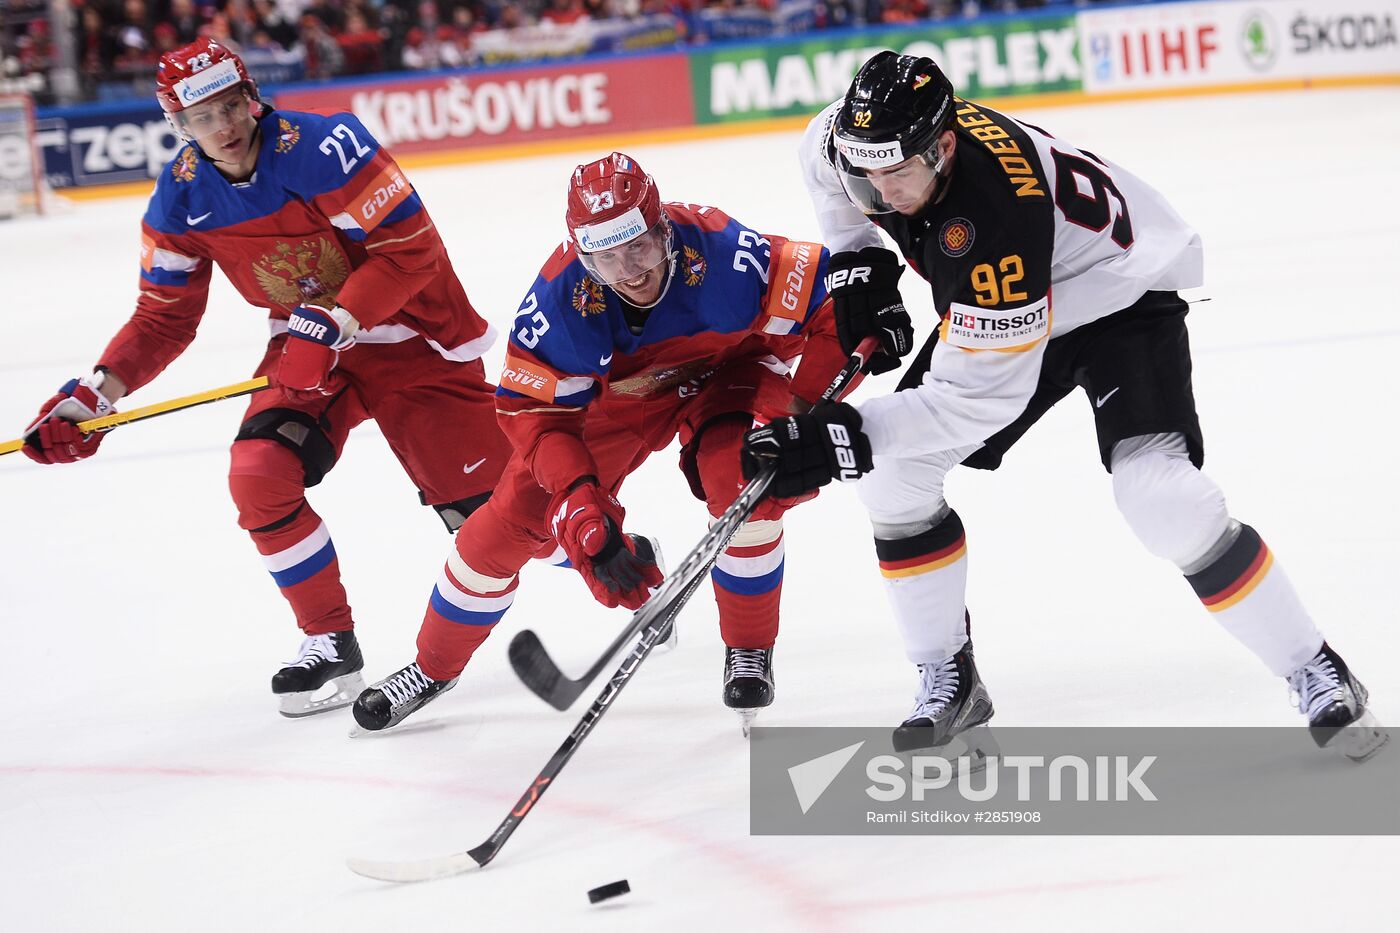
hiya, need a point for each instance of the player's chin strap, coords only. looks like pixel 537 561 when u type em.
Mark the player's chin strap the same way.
pixel 670 270
pixel 942 173
pixel 670 277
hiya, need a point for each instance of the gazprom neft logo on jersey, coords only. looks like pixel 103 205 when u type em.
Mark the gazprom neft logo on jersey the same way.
pixel 610 233
pixel 864 154
pixel 208 82
pixel 988 329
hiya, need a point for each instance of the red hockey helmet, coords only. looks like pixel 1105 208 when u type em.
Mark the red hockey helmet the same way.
pixel 616 220
pixel 193 74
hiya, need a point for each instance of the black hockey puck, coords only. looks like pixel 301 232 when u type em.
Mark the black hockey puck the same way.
pixel 615 889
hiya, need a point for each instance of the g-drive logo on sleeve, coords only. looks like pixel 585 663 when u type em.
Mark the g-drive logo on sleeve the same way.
pixel 1012 329
pixel 207 83
pixel 610 233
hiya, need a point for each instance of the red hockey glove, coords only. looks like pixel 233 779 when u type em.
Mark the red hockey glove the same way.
pixel 53 437
pixel 315 337
pixel 587 523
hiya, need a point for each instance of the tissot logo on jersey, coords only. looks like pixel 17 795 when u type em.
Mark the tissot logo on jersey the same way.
pixel 985 329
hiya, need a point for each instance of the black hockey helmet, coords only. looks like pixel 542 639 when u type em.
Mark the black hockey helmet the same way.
pixel 896 108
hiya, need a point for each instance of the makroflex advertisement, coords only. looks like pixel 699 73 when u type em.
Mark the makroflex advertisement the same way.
pixel 995 58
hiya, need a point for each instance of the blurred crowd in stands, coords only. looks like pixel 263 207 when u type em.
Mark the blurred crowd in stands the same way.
pixel 114 44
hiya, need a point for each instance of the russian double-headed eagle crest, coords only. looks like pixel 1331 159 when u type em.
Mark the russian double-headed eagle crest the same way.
pixel 183 166
pixel 305 271
pixel 288 135
pixel 588 297
pixel 693 266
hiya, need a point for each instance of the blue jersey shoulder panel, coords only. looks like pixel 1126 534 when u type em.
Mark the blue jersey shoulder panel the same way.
pixel 312 154
pixel 173 186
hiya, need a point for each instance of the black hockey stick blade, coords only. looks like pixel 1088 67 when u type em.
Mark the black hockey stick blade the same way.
pixel 446 866
pixel 539 672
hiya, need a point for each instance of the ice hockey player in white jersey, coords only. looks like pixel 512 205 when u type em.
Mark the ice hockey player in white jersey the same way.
pixel 1051 269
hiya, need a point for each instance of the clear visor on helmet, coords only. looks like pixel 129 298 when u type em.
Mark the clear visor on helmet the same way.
pixel 211 117
pixel 880 179
pixel 632 259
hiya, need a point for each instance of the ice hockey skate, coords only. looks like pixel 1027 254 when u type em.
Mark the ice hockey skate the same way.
pixel 1334 701
pixel 334 659
pixel 387 702
pixel 748 682
pixel 952 703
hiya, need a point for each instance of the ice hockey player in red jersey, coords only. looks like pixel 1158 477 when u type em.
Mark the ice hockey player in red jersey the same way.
pixel 1051 269
pixel 651 321
pixel 309 218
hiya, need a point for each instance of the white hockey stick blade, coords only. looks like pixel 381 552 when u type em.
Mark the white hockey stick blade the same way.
pixel 428 869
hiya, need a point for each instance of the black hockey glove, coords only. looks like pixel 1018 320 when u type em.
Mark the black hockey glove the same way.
pixel 809 450
pixel 864 288
pixel 626 563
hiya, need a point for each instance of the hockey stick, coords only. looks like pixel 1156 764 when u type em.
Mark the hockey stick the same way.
pixel 661 615
pixel 538 671
pixel 651 620
pixel 159 408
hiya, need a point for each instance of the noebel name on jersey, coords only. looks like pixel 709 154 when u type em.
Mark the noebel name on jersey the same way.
pixel 1008 329
pixel 999 136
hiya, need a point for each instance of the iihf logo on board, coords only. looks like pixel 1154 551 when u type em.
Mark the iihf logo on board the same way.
pixel 956 237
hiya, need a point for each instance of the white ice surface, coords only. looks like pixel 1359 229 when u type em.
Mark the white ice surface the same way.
pixel 146 782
